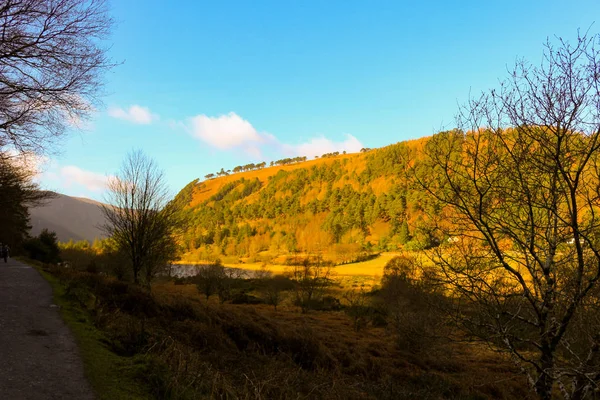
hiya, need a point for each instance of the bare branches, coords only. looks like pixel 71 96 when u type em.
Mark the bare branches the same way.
pixel 51 61
pixel 521 176
pixel 139 216
pixel 311 280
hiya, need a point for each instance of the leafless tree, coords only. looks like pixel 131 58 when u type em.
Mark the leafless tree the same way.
pixel 227 284
pixel 412 304
pixel 140 218
pixel 357 306
pixel 312 279
pixel 51 62
pixel 209 278
pixel 275 288
pixel 218 279
pixel 520 179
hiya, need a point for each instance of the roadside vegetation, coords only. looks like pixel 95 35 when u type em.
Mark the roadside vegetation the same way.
pixel 220 335
pixel 111 376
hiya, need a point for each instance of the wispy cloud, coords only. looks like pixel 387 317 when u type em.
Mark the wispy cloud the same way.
pixel 321 145
pixel 136 114
pixel 230 131
pixel 92 181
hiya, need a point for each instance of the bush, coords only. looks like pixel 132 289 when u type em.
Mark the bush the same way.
pixel 245 298
pixel 412 305
pixel 129 337
pixel 43 247
pixel 92 267
pixel 358 308
pixel 378 320
pixel 325 303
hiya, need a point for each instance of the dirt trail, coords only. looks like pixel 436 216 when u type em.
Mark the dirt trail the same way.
pixel 38 355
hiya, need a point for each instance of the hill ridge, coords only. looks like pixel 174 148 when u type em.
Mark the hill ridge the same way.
pixel 72 218
pixel 345 204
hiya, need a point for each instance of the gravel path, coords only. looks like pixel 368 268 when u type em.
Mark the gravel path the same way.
pixel 38 355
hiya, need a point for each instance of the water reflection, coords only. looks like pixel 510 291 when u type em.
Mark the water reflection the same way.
pixel 190 270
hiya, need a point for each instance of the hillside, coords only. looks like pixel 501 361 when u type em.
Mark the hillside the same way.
pixel 340 206
pixel 72 218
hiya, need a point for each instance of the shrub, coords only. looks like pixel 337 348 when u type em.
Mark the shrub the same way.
pixel 43 247
pixel 325 303
pixel 245 298
pixel 411 305
pixel 358 308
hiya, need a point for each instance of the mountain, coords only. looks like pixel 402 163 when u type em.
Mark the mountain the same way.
pixel 342 205
pixel 72 218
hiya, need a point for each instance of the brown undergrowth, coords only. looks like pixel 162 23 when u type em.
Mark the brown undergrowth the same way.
pixel 188 348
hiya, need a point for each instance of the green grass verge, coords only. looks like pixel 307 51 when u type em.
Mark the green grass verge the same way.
pixel 112 377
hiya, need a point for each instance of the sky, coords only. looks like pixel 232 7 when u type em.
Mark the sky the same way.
pixel 205 85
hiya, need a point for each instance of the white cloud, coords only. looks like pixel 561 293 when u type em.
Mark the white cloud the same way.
pixel 90 180
pixel 321 145
pixel 136 114
pixel 227 131
pixel 232 131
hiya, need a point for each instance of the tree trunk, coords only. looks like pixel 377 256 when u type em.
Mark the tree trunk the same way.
pixel 135 274
pixel 545 382
pixel 582 383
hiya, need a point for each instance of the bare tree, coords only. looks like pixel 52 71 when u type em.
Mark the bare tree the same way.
pixel 311 281
pixel 230 278
pixel 275 288
pixel 51 62
pixel 218 279
pixel 140 218
pixel 209 278
pixel 412 305
pixel 358 307
pixel 520 179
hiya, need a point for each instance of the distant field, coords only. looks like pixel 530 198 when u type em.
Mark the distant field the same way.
pixel 367 273
pixel 372 267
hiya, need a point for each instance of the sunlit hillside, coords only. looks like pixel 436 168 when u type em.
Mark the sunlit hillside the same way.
pixel 342 207
pixel 212 186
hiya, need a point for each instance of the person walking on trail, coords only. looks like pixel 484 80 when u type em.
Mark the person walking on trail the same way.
pixel 5 252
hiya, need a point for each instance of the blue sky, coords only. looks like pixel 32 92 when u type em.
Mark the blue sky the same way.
pixel 205 85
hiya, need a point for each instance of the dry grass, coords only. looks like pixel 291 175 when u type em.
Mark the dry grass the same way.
pixel 372 267
pixel 458 370
pixel 193 349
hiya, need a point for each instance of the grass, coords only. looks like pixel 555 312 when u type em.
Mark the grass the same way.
pixel 181 347
pixel 112 377
pixel 372 267
pixel 451 370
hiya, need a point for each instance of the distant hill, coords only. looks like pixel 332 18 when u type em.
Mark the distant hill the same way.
pixel 72 218
pixel 342 204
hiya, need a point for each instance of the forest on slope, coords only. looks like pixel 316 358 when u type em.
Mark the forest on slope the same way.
pixel 343 207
